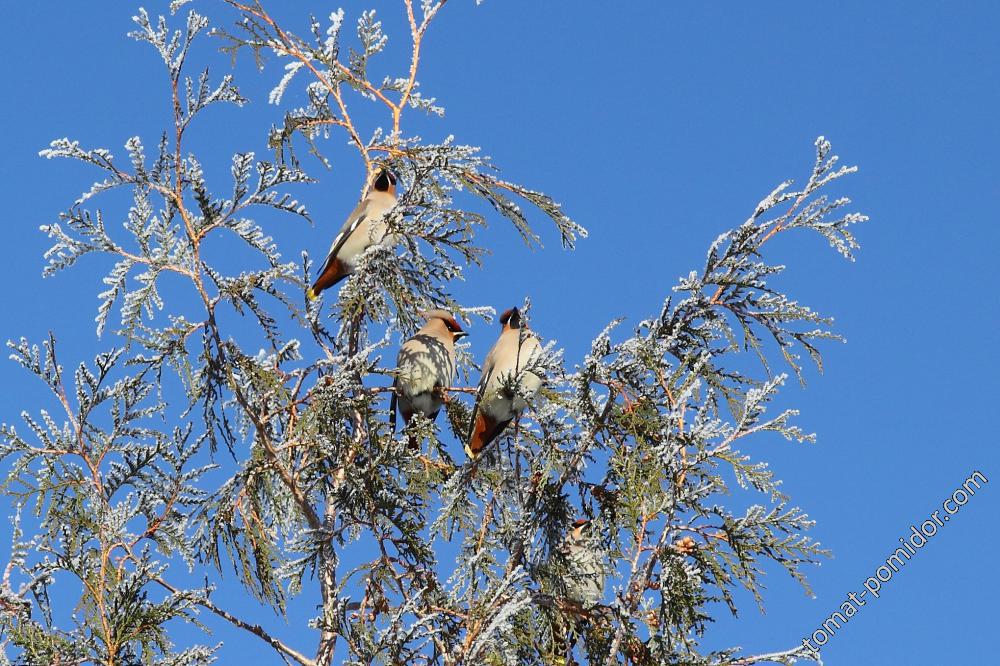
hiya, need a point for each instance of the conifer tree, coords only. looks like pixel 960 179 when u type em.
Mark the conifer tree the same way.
pixel 233 425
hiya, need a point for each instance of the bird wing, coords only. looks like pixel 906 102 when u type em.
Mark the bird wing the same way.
pixel 354 220
pixel 484 381
pixel 392 407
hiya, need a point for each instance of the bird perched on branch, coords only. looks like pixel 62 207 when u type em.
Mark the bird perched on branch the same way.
pixel 365 226
pixel 581 583
pixel 425 366
pixel 585 576
pixel 505 383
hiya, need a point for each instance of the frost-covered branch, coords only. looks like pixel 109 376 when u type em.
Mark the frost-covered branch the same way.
pixel 235 425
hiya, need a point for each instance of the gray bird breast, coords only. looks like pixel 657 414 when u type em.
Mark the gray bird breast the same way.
pixel 585 576
pixel 423 363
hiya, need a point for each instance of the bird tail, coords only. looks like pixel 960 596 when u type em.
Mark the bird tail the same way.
pixel 484 431
pixel 333 272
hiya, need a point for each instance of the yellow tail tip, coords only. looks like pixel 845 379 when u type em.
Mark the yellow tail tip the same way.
pixel 311 294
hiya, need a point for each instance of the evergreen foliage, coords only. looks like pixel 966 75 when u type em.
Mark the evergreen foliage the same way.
pixel 282 465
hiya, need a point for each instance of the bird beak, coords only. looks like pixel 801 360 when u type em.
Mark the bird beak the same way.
pixel 460 334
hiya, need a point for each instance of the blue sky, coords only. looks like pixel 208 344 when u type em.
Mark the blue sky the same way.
pixel 658 128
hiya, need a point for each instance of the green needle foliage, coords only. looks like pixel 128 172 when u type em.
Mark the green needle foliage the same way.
pixel 235 426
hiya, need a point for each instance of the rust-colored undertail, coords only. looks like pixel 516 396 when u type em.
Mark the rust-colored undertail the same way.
pixel 484 431
pixel 333 272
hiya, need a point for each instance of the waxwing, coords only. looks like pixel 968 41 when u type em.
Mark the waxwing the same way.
pixel 426 365
pixel 365 226
pixel 496 403
pixel 585 575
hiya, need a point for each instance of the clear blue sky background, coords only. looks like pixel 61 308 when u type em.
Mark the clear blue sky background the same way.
pixel 659 127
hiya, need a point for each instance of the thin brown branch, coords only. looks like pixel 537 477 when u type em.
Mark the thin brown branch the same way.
pixel 254 629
